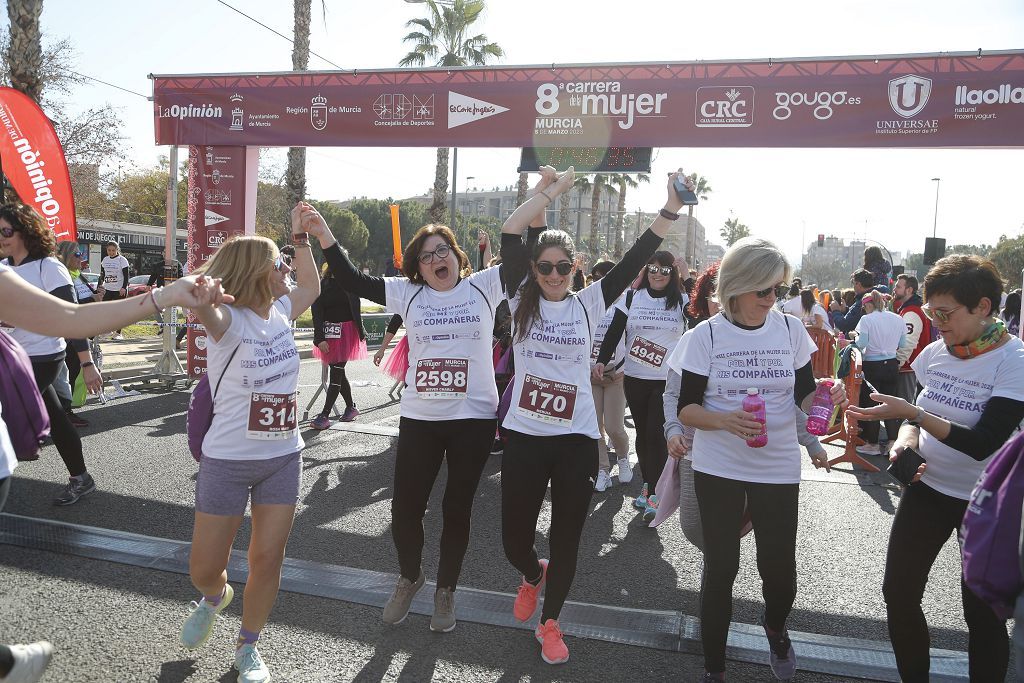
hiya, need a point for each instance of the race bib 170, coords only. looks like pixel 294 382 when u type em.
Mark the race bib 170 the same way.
pixel 547 401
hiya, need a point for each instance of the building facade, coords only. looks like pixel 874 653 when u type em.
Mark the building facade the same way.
pixel 142 245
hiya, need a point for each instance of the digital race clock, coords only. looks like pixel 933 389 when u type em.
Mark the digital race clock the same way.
pixel 587 159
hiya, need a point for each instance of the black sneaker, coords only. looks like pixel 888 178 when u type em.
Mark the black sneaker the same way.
pixel 75 489
pixel 781 656
pixel 76 421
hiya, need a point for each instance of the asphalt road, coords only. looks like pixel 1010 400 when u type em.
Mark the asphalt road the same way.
pixel 112 622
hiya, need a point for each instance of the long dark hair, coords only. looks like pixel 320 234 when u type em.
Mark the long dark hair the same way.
pixel 673 296
pixel 702 289
pixel 529 292
pixel 1012 307
pixel 807 299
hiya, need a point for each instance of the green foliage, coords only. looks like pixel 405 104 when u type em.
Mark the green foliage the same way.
pixel 733 231
pixel 347 228
pixel 1008 255
pixel 443 37
pixel 376 217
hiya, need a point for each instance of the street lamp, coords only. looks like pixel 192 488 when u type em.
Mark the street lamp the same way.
pixel 468 178
pixel 935 224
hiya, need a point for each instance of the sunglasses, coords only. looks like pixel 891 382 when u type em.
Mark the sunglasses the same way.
pixel 939 314
pixel 8 231
pixel 763 293
pixel 281 261
pixel 440 253
pixel 545 267
pixel 654 269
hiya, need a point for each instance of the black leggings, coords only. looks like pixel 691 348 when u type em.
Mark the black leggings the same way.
pixel 65 436
pixel 883 374
pixel 924 522
pixel 569 462
pixel 644 397
pixel 337 383
pixel 422 445
pixel 773 512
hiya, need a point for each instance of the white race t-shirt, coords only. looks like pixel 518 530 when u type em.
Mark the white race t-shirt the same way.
pixel 811 320
pixel 652 331
pixel 734 359
pixel 958 390
pixel 551 394
pixel 619 355
pixel 46 274
pixel 7 459
pixel 675 357
pixel 884 331
pixel 794 306
pixel 255 413
pixel 113 272
pixel 451 371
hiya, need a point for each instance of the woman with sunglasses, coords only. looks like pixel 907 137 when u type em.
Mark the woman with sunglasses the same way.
pixel 652 318
pixel 29 245
pixel 748 345
pixel 552 423
pixel 971 402
pixel 448 409
pixel 880 336
pixel 68 253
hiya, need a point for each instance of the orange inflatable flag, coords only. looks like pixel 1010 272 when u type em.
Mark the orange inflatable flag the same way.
pixel 396 235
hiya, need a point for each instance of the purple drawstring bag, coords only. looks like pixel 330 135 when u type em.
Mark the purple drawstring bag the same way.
pixel 990 535
pixel 23 411
pixel 200 411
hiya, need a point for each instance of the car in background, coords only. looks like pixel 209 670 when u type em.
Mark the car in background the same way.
pixel 93 279
pixel 138 285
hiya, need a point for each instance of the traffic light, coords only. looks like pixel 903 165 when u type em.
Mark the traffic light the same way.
pixel 821 240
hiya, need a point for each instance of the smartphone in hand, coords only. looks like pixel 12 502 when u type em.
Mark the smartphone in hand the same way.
pixel 904 467
pixel 686 196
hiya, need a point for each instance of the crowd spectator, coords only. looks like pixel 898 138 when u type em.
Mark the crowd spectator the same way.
pixel 863 282
pixel 1011 312
pixel 907 303
pixel 880 268
pixel 880 335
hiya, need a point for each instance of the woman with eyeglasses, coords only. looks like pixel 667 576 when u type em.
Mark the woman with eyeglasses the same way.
pixel 748 346
pixel 252 450
pixel 448 408
pixel 552 423
pixel 609 397
pixel 880 334
pixel 971 402
pixel 29 245
pixel 652 319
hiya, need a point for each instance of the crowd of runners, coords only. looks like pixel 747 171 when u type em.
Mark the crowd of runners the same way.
pixel 525 356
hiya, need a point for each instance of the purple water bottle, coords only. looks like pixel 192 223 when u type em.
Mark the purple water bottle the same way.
pixel 820 416
pixel 754 404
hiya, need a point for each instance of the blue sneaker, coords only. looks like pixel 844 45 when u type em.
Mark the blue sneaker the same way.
pixel 197 628
pixel 641 501
pixel 651 509
pixel 250 665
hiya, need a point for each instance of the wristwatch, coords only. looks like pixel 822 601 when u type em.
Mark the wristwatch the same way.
pixel 916 420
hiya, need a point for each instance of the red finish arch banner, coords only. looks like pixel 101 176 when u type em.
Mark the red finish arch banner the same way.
pixel 33 160
pixel 928 100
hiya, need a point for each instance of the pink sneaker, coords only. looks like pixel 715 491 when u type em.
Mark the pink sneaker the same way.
pixel 350 414
pixel 526 599
pixel 552 646
pixel 321 422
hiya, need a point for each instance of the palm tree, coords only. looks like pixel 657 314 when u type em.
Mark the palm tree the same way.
pixel 522 187
pixel 733 231
pixel 624 181
pixel 580 187
pixel 595 200
pixel 702 188
pixel 442 39
pixel 25 49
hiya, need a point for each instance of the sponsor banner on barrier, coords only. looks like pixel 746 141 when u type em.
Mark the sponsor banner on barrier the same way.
pixel 960 100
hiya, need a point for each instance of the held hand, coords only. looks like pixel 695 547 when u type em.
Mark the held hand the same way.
pixel 548 176
pixel 378 357
pixel 739 423
pixel 891 408
pixel 838 394
pixel 563 182
pixel 324 347
pixel 309 221
pixel 597 372
pixel 123 292
pixel 896 451
pixel 672 202
pixel 677 446
pixel 193 291
pixel 93 380
pixel 820 460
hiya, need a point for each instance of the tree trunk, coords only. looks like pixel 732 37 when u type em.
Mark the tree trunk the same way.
pixel 522 188
pixel 295 177
pixel 563 212
pixel 439 208
pixel 25 50
pixel 691 235
pixel 595 202
pixel 619 221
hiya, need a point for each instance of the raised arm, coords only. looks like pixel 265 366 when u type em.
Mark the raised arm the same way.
pixel 347 275
pixel 515 254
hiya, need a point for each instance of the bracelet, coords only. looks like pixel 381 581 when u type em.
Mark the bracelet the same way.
pixel 87 364
pixel 668 215
pixel 152 297
pixel 916 420
pixel 301 245
pixel 546 195
pixel 300 237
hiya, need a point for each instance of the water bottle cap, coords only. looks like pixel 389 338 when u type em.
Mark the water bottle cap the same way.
pixel 751 392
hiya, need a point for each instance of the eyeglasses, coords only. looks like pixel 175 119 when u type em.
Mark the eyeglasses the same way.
pixel 654 269
pixel 281 261
pixel 440 253
pixel 545 267
pixel 763 293
pixel 939 314
pixel 8 231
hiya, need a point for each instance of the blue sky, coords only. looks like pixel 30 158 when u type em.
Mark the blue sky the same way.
pixel 886 195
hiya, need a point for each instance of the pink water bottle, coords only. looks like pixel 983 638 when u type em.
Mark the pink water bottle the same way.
pixel 754 404
pixel 820 417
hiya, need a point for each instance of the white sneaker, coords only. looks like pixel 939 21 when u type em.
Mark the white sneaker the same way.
pixel 250 665
pixel 118 337
pixel 625 470
pixel 603 481
pixel 30 662
pixel 870 449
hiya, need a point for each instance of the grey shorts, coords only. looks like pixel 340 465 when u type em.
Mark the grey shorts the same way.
pixel 224 486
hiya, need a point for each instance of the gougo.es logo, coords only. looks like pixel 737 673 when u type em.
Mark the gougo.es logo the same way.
pixel 823 102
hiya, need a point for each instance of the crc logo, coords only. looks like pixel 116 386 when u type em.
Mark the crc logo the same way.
pixel 909 95
pixel 823 103
pixel 215 238
pixel 725 107
pixel 201 342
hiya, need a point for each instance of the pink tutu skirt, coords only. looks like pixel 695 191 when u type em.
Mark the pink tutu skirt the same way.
pixel 345 346
pixel 397 364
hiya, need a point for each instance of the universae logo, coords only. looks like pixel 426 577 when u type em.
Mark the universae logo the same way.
pixel 909 95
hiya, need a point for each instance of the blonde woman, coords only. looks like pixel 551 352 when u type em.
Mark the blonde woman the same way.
pixel 252 449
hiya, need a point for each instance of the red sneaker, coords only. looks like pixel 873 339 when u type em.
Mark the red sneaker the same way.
pixel 552 647
pixel 526 599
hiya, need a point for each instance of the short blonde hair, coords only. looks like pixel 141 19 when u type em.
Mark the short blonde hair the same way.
pixel 748 266
pixel 244 264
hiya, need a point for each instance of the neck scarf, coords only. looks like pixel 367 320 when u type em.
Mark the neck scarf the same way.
pixel 989 339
